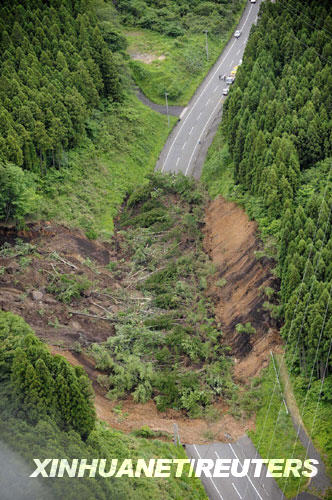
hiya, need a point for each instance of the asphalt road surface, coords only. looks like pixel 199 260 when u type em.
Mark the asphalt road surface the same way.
pixel 235 488
pixel 187 145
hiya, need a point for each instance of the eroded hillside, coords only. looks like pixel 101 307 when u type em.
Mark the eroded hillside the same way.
pixel 240 286
pixel 138 312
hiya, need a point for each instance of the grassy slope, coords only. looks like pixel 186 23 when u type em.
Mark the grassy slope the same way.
pixel 317 417
pixel 311 409
pixel 275 435
pixel 124 146
pixel 171 74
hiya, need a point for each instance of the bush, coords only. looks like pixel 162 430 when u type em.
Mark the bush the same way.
pixel 18 197
pixel 67 287
pixel 247 328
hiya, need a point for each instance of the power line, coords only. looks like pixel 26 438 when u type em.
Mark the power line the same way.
pixel 309 384
pixel 294 313
pixel 317 405
pixel 301 15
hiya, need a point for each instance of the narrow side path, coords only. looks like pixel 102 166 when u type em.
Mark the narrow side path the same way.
pixel 172 110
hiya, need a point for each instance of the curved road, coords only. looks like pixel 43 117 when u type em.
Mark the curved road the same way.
pixel 187 145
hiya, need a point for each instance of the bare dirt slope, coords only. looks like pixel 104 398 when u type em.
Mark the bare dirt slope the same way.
pixel 231 241
pixel 25 275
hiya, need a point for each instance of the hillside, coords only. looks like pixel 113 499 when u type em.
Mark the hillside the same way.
pixel 73 136
pixel 46 410
pixel 272 155
pixel 135 305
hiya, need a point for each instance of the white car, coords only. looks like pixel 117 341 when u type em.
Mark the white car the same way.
pixel 225 91
pixel 230 80
pixel 252 1
pixel 237 34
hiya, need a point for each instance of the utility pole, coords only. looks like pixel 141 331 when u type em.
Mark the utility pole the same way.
pixel 206 45
pixel 281 393
pixel 166 94
pixel 176 438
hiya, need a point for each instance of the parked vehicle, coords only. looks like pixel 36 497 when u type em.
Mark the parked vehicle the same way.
pixel 225 91
pixel 237 34
pixel 252 1
pixel 230 80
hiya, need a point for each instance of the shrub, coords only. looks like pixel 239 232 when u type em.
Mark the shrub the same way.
pixel 18 196
pixel 67 287
pixel 247 328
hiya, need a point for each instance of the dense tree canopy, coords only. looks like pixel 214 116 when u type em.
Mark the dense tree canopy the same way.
pixel 40 385
pixel 277 121
pixel 46 411
pixel 56 64
pixel 175 18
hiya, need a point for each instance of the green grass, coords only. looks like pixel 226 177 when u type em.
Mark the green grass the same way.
pixel 185 65
pixel 123 146
pixel 275 434
pixel 218 178
pixel 218 168
pixel 317 417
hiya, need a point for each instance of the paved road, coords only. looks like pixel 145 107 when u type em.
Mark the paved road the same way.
pixel 235 488
pixel 187 145
pixel 172 110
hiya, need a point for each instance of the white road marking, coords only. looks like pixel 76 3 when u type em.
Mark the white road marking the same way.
pixel 207 102
pixel 183 112
pixel 192 128
pixel 232 62
pixel 231 447
pixel 238 52
pixel 246 18
pixel 177 161
pixel 235 488
pixel 203 91
pixel 199 116
pixel 194 105
pixel 210 477
pixel 217 87
pixel 184 145
pixel 212 114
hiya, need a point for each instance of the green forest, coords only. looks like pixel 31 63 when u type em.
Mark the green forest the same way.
pixel 78 148
pixel 55 68
pixel 276 123
pixel 46 409
pixel 273 155
pixel 176 18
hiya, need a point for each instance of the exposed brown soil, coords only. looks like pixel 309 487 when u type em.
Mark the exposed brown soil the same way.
pixel 61 329
pixel 231 241
pixel 133 416
pixel 54 321
pixel 146 57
